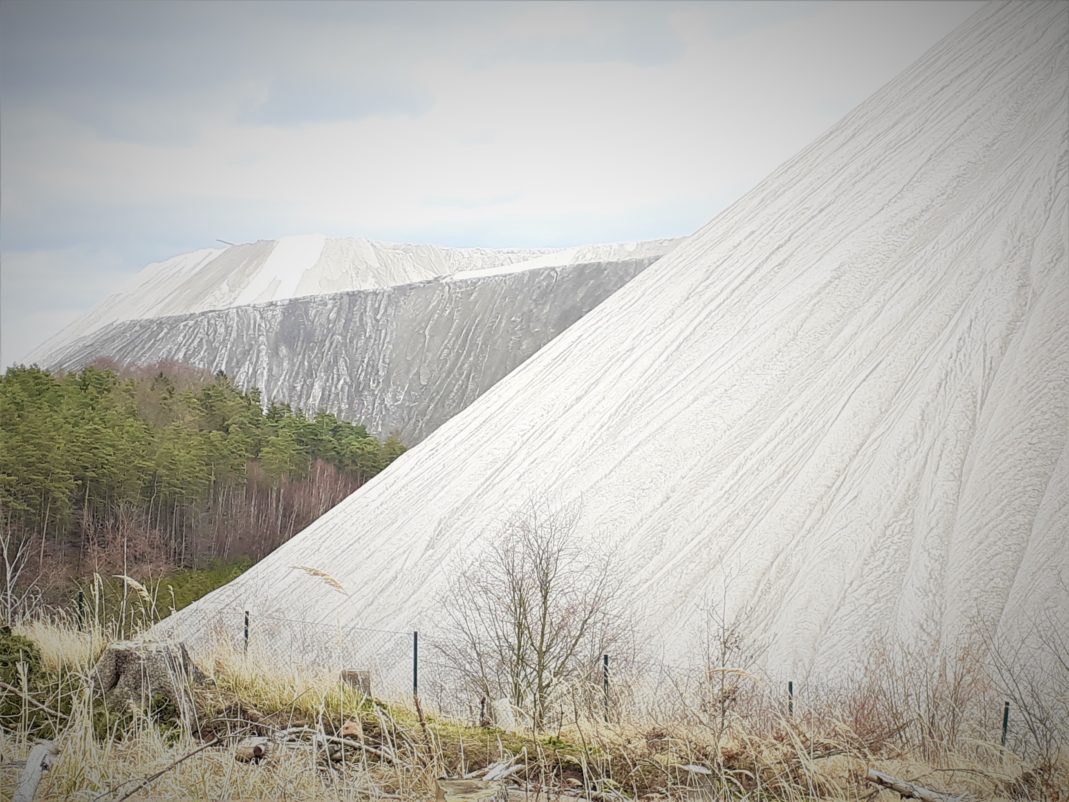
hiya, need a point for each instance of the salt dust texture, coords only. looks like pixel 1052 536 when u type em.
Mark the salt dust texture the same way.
pixel 846 398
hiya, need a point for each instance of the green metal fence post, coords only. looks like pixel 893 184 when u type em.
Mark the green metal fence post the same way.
pixel 415 663
pixel 1005 722
pixel 605 682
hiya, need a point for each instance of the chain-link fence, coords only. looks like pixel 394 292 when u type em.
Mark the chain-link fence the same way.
pixel 392 665
pixel 396 666
pixel 380 661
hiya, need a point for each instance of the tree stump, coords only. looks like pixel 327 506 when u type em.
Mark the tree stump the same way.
pixel 139 672
pixel 360 680
pixel 505 715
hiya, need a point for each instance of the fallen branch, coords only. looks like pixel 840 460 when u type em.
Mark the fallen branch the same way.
pixel 909 790
pixel 26 697
pixel 357 745
pixel 40 760
pixel 290 732
pixel 495 771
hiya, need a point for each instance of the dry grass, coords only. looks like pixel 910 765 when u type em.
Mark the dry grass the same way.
pixel 397 754
pixel 63 647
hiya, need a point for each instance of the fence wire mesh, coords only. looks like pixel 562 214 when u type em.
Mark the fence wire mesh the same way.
pixel 393 666
pixel 396 664
pixel 314 648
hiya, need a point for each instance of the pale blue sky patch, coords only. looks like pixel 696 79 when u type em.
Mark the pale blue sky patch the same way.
pixel 470 202
pixel 56 286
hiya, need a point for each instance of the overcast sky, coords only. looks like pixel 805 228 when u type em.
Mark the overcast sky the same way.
pixel 130 132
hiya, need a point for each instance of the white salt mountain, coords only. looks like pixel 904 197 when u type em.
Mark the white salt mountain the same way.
pixel 274 270
pixel 846 398
pixel 420 333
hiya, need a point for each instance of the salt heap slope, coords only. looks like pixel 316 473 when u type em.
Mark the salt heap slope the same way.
pixel 846 397
pixel 399 359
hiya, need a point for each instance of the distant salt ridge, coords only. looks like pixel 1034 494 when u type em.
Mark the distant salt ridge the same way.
pixel 311 265
pixel 275 270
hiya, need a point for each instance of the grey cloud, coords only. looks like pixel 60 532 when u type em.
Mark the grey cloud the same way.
pixel 654 47
pixel 634 33
pixel 154 72
pixel 630 38
pixel 127 48
pixel 292 100
pixel 729 20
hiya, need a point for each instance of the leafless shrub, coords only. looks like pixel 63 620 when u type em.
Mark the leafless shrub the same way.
pixel 731 654
pixel 533 613
pixel 1031 671
pixel 933 699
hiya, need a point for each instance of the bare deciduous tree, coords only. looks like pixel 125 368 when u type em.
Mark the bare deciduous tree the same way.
pixel 18 590
pixel 1031 671
pixel 533 612
pixel 731 656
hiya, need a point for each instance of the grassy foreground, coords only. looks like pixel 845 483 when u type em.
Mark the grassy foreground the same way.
pixel 331 743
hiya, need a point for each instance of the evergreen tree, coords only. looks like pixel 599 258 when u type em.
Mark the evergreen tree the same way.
pixel 173 457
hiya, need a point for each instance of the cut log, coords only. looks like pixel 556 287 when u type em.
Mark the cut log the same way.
pixel 133 672
pixel 909 790
pixel 469 791
pixel 252 750
pixel 41 758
